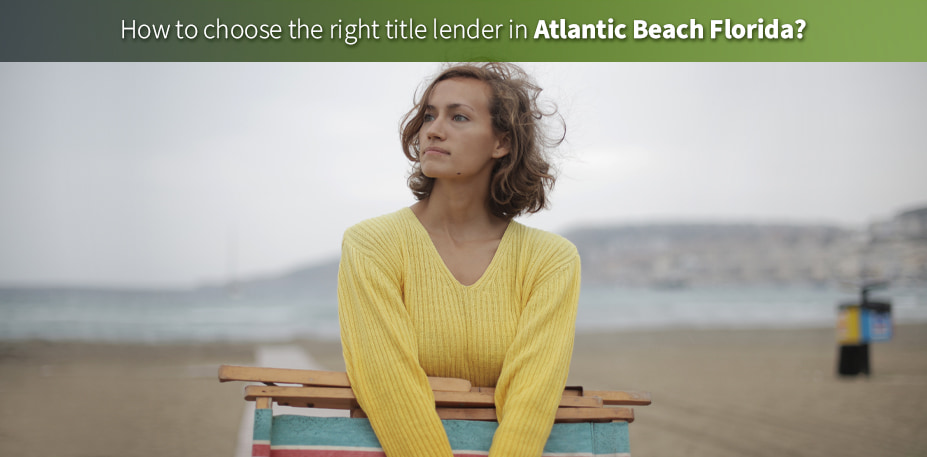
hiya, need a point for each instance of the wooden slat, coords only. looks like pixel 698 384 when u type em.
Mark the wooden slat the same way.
pixel 464 400
pixel 319 378
pixel 573 390
pixel 487 399
pixel 572 401
pixel 283 375
pixel 609 397
pixel 343 398
pixel 594 415
pixel 615 397
pixel 468 414
pixel 563 414
pixel 473 414
pixel 313 397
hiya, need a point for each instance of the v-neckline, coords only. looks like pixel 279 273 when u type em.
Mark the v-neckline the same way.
pixel 437 255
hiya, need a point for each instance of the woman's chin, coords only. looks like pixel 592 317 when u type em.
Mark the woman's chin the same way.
pixel 436 172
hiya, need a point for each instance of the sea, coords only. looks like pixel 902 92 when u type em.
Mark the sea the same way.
pixel 88 315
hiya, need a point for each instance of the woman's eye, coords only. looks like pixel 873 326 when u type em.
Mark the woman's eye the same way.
pixel 428 117
pixel 461 117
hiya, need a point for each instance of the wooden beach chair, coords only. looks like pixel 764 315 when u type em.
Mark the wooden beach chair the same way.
pixel 588 423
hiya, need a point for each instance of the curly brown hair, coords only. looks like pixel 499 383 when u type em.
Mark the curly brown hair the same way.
pixel 520 180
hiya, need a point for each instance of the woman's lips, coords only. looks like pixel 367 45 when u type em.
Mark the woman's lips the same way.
pixel 434 150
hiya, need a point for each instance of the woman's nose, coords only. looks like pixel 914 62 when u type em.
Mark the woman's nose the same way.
pixel 435 129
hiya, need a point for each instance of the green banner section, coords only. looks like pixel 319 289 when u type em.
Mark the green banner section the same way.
pixel 405 30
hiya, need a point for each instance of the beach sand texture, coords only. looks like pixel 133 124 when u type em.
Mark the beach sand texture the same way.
pixel 716 393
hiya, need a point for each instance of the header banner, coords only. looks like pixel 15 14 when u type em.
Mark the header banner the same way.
pixel 406 30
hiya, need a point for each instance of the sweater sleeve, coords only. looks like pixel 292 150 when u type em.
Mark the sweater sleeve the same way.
pixel 381 357
pixel 537 363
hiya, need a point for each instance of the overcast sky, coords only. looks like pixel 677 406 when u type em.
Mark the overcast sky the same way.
pixel 159 174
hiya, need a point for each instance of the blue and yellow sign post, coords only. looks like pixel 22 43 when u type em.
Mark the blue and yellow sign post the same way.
pixel 859 324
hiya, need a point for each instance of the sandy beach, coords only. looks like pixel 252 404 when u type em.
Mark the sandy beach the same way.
pixel 716 393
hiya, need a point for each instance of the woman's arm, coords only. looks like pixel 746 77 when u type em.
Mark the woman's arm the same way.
pixel 381 356
pixel 537 363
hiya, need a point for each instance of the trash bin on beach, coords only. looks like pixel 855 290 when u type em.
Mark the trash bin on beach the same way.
pixel 859 324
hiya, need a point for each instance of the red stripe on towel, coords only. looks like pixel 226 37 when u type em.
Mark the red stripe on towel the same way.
pixel 260 450
pixel 324 453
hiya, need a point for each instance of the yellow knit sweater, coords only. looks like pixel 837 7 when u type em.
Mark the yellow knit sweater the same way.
pixel 404 317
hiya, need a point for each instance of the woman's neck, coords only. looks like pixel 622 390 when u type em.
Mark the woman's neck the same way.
pixel 459 211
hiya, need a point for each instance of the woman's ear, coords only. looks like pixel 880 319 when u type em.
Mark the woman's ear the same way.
pixel 503 146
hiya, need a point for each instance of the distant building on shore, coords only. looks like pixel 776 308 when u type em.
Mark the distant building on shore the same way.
pixel 907 225
pixel 668 256
pixel 897 247
pixel 913 223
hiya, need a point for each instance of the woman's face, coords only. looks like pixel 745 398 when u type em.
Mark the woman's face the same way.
pixel 457 140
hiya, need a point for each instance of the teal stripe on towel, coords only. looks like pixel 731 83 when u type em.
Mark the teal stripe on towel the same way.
pixel 590 438
pixel 611 437
pixel 262 423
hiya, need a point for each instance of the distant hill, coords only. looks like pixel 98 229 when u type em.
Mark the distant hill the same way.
pixel 678 255
pixel 664 255
pixel 316 282
pixel 674 255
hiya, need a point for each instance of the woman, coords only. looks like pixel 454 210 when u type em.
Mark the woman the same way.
pixel 452 286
